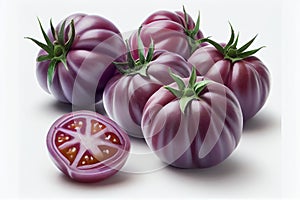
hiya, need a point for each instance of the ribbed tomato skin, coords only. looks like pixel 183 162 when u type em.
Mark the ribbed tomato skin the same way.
pixel 95 172
pixel 167 29
pixel 124 96
pixel 249 79
pixel 204 136
pixel 97 44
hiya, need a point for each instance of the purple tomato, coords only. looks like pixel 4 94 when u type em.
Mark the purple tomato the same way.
pixel 77 60
pixel 172 31
pixel 238 69
pixel 194 124
pixel 87 146
pixel 126 94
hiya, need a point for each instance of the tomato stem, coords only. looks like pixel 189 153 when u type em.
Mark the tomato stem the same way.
pixel 230 51
pixel 188 93
pixel 193 43
pixel 140 65
pixel 58 49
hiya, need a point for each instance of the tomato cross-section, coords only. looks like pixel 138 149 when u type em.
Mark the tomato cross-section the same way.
pixel 87 146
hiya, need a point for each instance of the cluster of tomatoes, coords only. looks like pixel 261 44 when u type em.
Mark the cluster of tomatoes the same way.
pixel 186 95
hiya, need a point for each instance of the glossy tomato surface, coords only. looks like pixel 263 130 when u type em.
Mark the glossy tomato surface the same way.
pixel 87 146
pixel 169 32
pixel 96 45
pixel 126 94
pixel 203 136
pixel 249 78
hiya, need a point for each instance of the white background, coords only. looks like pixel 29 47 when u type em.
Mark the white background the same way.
pixel 266 162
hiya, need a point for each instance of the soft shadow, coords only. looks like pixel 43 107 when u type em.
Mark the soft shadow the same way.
pixel 260 122
pixel 139 141
pixel 63 108
pixel 99 108
pixel 58 106
pixel 116 179
pixel 229 169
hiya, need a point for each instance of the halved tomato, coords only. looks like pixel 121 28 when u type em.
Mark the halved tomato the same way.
pixel 87 146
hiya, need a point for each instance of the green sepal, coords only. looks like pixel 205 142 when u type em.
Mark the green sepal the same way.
pixel 199 87
pixel 184 101
pixel 40 44
pixel 196 28
pixel 200 41
pixel 250 53
pixel 244 47
pixel 177 79
pixel 193 78
pixel 230 51
pixel 61 33
pixel 43 58
pixel 187 93
pixel 150 51
pixel 50 72
pixel 193 43
pixel 139 66
pixel 130 60
pixel 71 36
pixel 54 34
pixel 141 48
pixel 121 63
pixel 175 92
pixel 232 36
pixel 142 71
pixel 64 62
pixel 234 45
pixel 49 43
pixel 57 50
pixel 216 45
pixel 186 17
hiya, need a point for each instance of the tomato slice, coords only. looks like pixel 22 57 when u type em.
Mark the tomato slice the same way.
pixel 85 144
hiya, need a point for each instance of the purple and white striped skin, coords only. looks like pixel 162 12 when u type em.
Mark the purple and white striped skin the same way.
pixel 249 78
pixel 87 146
pixel 203 136
pixel 169 32
pixel 124 96
pixel 97 44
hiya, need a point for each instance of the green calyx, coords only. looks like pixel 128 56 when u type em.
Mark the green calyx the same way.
pixel 187 93
pixel 230 51
pixel 58 49
pixel 139 66
pixel 193 43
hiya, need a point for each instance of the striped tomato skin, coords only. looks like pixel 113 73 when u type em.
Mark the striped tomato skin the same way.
pixel 89 61
pixel 203 136
pixel 249 78
pixel 125 95
pixel 168 31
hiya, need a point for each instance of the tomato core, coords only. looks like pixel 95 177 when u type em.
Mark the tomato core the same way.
pixel 86 142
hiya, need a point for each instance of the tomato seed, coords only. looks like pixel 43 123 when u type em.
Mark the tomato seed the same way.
pixel 96 127
pixel 113 138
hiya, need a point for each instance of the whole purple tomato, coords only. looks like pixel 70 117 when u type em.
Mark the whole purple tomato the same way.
pixel 77 60
pixel 172 31
pixel 244 74
pixel 126 94
pixel 87 146
pixel 197 124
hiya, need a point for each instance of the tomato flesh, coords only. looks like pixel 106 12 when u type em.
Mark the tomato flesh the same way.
pixel 86 143
pixel 96 126
pixel 75 124
pixel 70 152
